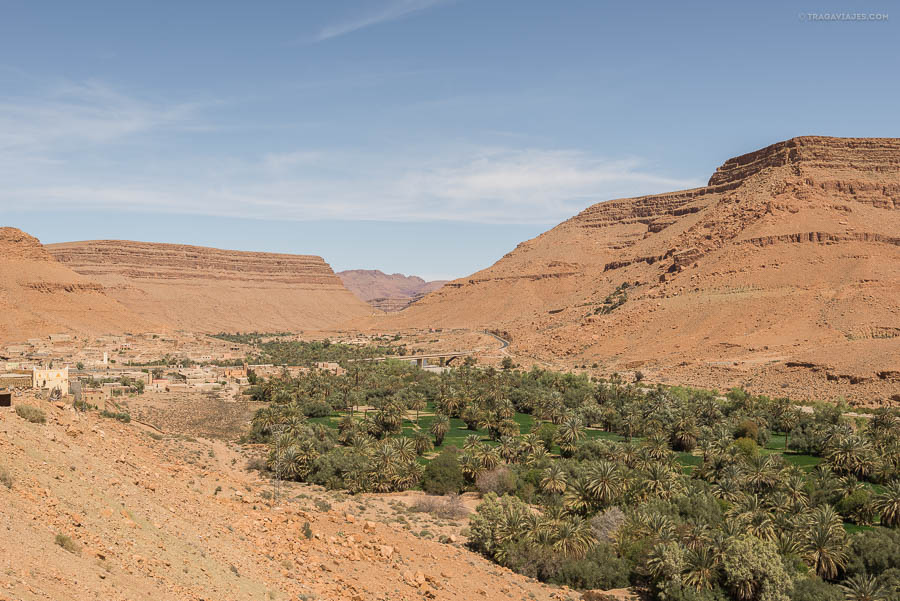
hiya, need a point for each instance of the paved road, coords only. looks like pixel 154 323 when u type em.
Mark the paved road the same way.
pixel 504 343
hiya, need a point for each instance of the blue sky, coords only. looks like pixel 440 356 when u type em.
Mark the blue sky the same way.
pixel 419 136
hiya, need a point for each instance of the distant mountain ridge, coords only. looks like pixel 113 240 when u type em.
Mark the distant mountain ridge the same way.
pixel 387 292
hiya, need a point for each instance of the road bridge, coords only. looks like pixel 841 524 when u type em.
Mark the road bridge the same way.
pixel 422 360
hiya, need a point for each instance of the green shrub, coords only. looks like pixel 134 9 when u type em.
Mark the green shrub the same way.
pixel 602 568
pixel 123 416
pixel 307 530
pixel 746 446
pixel 815 589
pixel 857 507
pixel 546 432
pixel 317 409
pixel 752 565
pixel 31 414
pixel 68 544
pixel 747 428
pixel 874 552
pixel 443 475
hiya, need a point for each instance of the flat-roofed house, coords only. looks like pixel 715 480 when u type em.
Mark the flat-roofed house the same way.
pixel 50 379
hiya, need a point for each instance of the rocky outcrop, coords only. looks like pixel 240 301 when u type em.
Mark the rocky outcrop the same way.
pixel 864 156
pixel 788 254
pixel 39 296
pixel 208 289
pixel 17 245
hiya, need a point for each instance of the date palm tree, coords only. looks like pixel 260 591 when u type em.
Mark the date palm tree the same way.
pixel 487 456
pixel 579 499
pixel 472 441
pixel 863 587
pixel 439 428
pixel 574 538
pixel 701 568
pixel 554 479
pixel 508 448
pixel 825 542
pixel 605 482
pixel 760 473
pixel 405 448
pixel 685 434
pixel 659 480
pixel 470 466
pixel 887 503
pixel 422 443
pixel 569 433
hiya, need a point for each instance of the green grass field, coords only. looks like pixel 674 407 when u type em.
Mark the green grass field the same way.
pixel 458 433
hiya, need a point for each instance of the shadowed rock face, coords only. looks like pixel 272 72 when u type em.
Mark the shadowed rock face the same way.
pixel 387 292
pixel 791 254
pixel 208 289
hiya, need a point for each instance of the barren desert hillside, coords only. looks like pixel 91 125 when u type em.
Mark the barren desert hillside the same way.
pixel 208 289
pixel 125 512
pixel 40 296
pixel 788 261
pixel 388 292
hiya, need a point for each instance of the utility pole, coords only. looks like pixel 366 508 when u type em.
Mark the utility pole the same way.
pixel 278 474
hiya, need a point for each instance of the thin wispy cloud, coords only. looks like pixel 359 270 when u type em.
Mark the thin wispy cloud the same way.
pixel 73 148
pixel 496 186
pixel 392 11
pixel 75 114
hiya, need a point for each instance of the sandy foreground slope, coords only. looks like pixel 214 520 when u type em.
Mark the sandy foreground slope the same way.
pixel 173 517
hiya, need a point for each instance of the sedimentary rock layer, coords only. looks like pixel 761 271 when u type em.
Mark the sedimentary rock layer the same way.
pixel 209 289
pixel 789 255
pixel 39 296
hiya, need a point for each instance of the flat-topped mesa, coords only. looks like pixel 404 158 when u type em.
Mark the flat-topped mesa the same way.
pixel 212 290
pixel 152 261
pixel 808 154
pixel 861 166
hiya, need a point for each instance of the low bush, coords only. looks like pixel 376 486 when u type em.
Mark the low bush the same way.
pixel 317 409
pixel 68 544
pixel 6 478
pixel 606 524
pixel 121 416
pixel 257 464
pixel 31 414
pixel 815 589
pixel 449 507
pixel 500 481
pixel 444 475
pixel 602 568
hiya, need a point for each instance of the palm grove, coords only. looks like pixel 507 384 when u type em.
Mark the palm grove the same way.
pixel 683 493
